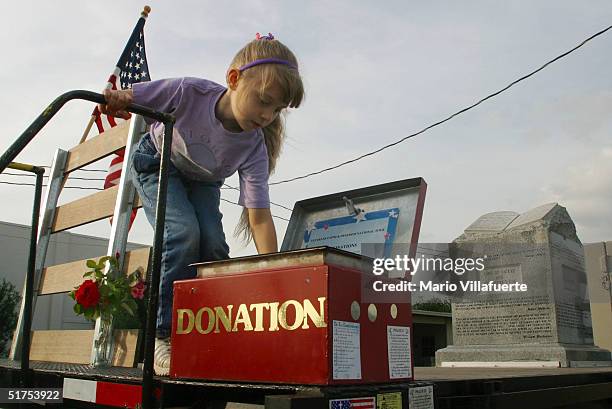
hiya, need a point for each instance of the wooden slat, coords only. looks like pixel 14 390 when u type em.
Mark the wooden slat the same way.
pixel 62 346
pixel 98 147
pixel 87 209
pixel 74 346
pixel 63 278
pixel 137 259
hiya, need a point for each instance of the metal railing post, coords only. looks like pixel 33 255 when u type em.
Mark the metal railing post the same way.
pixel 29 282
pixel 160 219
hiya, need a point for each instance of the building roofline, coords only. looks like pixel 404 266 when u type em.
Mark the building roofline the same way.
pixel 432 313
pixel 80 235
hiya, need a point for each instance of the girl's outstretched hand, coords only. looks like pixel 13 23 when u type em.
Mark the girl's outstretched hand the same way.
pixel 116 102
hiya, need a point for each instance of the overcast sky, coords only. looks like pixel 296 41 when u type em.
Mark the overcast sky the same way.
pixel 374 72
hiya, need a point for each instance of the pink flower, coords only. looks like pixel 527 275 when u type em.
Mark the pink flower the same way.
pixel 138 290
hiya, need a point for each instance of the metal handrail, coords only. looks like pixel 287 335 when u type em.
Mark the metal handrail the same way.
pixel 160 217
pixel 29 283
pixel 29 134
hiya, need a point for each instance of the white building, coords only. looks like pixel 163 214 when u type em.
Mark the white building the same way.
pixel 52 311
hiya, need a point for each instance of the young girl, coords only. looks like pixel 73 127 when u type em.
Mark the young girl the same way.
pixel 218 131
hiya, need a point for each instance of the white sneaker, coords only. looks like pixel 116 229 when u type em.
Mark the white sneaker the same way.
pixel 161 357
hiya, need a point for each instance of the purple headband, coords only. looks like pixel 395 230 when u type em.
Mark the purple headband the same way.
pixel 267 60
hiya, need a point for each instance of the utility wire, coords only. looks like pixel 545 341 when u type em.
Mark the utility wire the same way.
pixel 65 187
pixel 46 176
pixel 461 111
pixel 95 188
pixel 424 129
pixel 102 170
pixel 82 169
pixel 234 203
pixel 446 119
pixel 271 202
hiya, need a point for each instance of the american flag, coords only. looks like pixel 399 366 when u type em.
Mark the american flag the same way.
pixel 355 403
pixel 131 68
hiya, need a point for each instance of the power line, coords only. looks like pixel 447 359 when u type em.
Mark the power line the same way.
pixel 46 176
pixel 448 118
pixel 65 187
pixel 98 179
pixel 93 170
pixel 102 170
pixel 273 215
pixel 271 202
pixel 82 169
pixel 95 188
pixel 461 111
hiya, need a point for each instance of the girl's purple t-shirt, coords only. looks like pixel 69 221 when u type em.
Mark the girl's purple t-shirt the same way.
pixel 201 148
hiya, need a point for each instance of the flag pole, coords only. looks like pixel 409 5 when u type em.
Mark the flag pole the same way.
pixel 145 13
pixel 87 129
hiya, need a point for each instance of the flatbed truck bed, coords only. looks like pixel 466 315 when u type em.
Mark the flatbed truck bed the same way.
pixel 471 388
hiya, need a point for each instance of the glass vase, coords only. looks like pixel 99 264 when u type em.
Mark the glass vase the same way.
pixel 103 343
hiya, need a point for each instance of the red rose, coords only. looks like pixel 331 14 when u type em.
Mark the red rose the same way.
pixel 87 294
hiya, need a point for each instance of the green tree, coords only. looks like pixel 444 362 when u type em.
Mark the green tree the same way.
pixel 9 299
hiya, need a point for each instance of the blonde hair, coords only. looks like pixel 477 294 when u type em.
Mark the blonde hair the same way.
pixel 289 81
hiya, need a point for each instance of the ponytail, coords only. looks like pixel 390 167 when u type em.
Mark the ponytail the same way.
pixel 274 138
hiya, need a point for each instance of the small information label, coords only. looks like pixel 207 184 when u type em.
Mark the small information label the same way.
pixel 346 350
pixel 389 400
pixel 398 349
pixel 421 397
pixel 25 395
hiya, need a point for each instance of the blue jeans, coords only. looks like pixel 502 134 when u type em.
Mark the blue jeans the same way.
pixel 193 231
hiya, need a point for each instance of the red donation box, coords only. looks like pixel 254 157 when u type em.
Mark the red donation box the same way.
pixel 306 315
